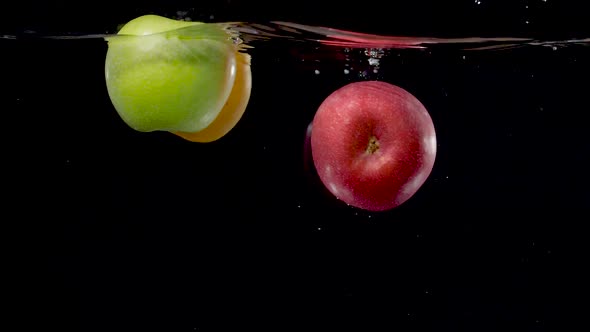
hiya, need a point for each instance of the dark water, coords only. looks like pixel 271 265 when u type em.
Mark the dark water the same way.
pixel 123 230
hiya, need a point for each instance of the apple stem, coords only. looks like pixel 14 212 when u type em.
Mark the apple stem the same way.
pixel 373 145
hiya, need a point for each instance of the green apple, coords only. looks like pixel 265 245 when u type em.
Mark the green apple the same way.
pixel 163 74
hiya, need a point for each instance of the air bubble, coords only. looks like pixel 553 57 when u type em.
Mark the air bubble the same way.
pixel 374 52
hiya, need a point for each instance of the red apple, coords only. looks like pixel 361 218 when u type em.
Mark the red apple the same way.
pixel 373 145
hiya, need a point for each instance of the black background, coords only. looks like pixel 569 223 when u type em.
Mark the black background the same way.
pixel 560 19
pixel 120 230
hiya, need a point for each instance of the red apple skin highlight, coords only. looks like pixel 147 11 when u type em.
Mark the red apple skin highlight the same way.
pixel 373 145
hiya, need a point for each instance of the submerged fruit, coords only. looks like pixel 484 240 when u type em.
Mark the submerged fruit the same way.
pixel 373 144
pixel 176 76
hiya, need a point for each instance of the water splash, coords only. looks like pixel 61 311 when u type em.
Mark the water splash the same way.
pixel 351 39
pixel 251 33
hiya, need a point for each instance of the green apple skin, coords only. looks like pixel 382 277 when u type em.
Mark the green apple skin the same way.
pixel 160 80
